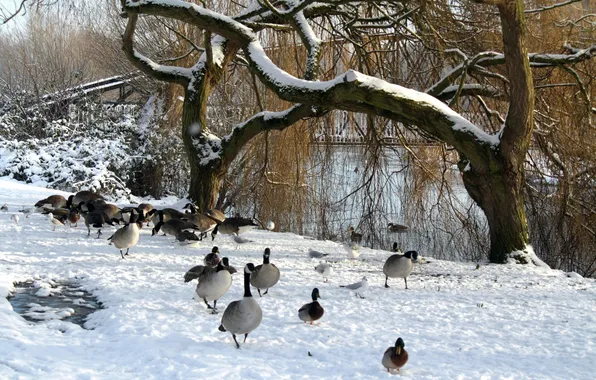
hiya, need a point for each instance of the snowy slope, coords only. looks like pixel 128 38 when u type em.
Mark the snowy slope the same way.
pixel 458 322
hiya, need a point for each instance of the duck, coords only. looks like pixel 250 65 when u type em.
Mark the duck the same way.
pixel 127 236
pixel 53 201
pixel 73 216
pixel 229 268
pixel 54 221
pixel 234 225
pixel 311 311
pixel 213 284
pixel 358 287
pixel 212 259
pixel 394 227
pixel 354 236
pixel 399 266
pixel 395 357
pixel 324 269
pixel 245 315
pixel 82 196
pixel 94 218
pixel 266 275
pixel 4 207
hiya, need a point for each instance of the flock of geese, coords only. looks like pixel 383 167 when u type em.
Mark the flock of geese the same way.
pixel 214 276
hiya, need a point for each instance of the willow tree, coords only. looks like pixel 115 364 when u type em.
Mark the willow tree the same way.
pixel 491 163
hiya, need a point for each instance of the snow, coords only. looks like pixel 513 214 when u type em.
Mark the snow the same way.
pixel 459 320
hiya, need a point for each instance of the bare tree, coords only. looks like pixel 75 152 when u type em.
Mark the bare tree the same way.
pixel 491 163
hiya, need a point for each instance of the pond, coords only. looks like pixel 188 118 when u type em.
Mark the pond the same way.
pixel 39 301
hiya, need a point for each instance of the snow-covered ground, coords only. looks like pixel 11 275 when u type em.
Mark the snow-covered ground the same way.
pixel 458 321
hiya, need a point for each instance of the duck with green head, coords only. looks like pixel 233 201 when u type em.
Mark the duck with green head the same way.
pixel 395 357
pixel 311 311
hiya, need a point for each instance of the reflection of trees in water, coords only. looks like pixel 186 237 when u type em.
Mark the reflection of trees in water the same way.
pixel 368 187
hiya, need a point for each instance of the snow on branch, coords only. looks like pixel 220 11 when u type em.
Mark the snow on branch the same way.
pixel 173 74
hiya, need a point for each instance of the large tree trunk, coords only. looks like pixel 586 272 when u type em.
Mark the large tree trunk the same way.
pixel 206 176
pixel 500 195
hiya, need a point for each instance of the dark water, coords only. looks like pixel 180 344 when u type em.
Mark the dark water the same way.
pixel 68 302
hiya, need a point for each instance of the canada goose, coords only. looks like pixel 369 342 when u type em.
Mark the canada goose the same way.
pixel 316 254
pixel 112 211
pixel 358 287
pixel 354 236
pixel 245 315
pixel 213 284
pixel 127 236
pixel 15 219
pixel 394 227
pixel 399 266
pixel 82 196
pixel 164 215
pixel 94 218
pixel 266 275
pixel 203 222
pixel 145 208
pixel 395 357
pixel 216 214
pixel 226 264
pixel 233 225
pixel 173 227
pixel 54 221
pixel 53 201
pixel 311 311
pixel 59 212
pixel 324 269
pixel 186 237
pixel 270 226
pixel 212 259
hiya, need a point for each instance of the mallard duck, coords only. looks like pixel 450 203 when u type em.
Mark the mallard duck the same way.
pixel 266 275
pixel 311 311
pixel 245 315
pixel 395 357
pixel 127 236
pixel 212 259
pixel 399 266
pixel 324 269
pixel 394 227
pixel 358 287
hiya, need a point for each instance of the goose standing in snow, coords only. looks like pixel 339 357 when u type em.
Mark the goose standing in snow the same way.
pixel 355 237
pixel 311 311
pixel 399 266
pixel 245 315
pixel 358 287
pixel 94 218
pixel 127 236
pixel 266 275
pixel 324 269
pixel 395 357
pixel 213 283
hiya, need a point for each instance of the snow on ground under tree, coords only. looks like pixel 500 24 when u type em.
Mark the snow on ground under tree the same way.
pixel 457 321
